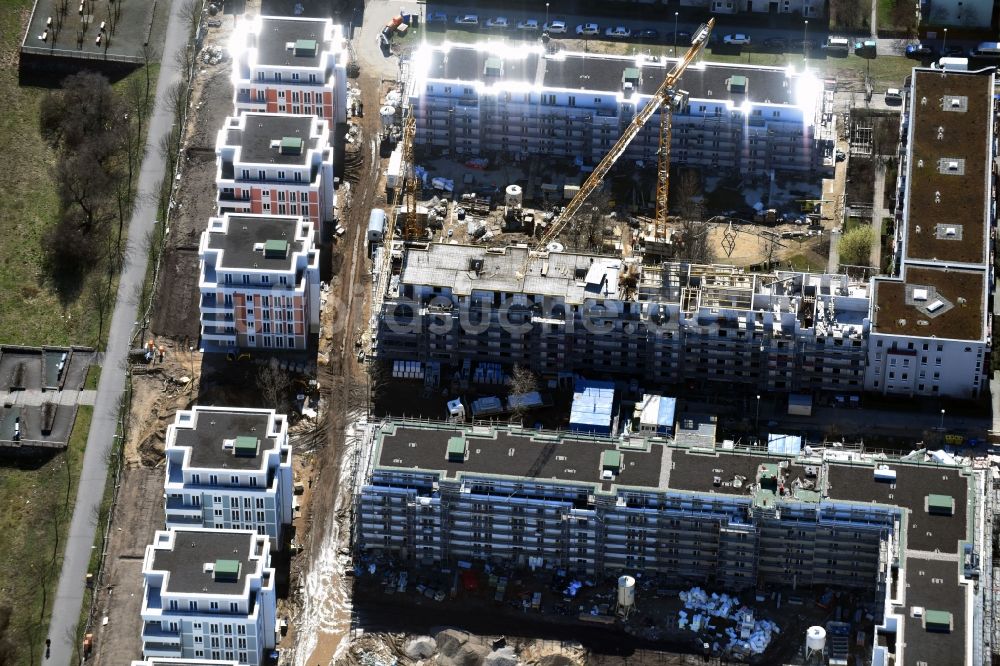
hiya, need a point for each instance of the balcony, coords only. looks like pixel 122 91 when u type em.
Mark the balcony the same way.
pixel 157 649
pixel 178 507
pixel 210 304
pixel 152 632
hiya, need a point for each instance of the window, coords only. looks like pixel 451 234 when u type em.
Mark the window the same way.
pixel 214 605
pixel 262 175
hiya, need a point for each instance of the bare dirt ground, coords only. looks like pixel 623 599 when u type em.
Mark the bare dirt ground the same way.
pixel 119 596
pixel 176 314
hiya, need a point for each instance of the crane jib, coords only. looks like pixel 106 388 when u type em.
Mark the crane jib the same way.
pixel 601 170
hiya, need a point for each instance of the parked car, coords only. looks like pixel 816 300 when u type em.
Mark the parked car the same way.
pixel 498 23
pixel 893 96
pixel 953 51
pixel 737 39
pixel 555 27
pixel 681 37
pixel 648 34
pixel 775 44
pixel 866 48
pixel 618 32
pixel 527 24
pixel 470 20
pixel 804 45
pixel 920 51
pixel 588 29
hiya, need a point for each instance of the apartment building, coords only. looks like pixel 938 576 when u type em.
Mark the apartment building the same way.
pixel 168 661
pixel 208 594
pixel 276 164
pixel 229 468
pixel 964 13
pixel 805 8
pixel 745 120
pixel 674 323
pixel 286 64
pixel 732 519
pixel 931 325
pixel 259 282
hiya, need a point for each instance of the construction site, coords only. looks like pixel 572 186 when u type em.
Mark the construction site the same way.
pixel 432 525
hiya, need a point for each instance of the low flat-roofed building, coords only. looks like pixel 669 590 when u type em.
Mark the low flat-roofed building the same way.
pixel 208 594
pixel 259 282
pixel 276 164
pixel 229 468
pixel 729 518
pixel 287 64
pixel 745 120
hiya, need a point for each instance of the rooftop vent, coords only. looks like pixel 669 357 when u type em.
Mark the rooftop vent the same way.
pixel 306 47
pixel 226 570
pixel 737 84
pixel 245 446
pixel 276 249
pixel 493 67
pixel 938 621
pixel 290 145
pixel 456 449
pixel 611 461
pixel 920 294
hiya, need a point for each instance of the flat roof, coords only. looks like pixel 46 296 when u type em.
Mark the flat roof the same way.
pixel 567 458
pixel 603 73
pixel 950 154
pixel 467 268
pixel 933 585
pixel 212 428
pixel 244 232
pixel 903 310
pixel 924 531
pixel 277 32
pixel 192 550
pixel 262 135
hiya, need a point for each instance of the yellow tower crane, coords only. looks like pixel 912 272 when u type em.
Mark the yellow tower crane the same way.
pixel 660 99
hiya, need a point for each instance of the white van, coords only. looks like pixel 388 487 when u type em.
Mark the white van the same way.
pixel 838 45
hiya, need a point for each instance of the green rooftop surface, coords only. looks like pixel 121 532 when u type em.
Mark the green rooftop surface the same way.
pixel 611 460
pixel 226 569
pixel 456 448
pixel 941 504
pixel 306 47
pixel 291 145
pixel 935 620
pixel 245 445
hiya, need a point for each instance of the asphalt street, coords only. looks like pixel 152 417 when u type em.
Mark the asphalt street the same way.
pixel 69 594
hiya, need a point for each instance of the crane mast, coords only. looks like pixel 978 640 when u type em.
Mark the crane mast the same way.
pixel 661 98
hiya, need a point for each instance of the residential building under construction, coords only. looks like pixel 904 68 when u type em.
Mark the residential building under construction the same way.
pixel 905 530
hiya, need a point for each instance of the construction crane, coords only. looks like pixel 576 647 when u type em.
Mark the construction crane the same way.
pixel 659 99
pixel 413 228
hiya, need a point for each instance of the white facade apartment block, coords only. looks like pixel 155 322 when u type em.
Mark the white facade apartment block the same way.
pixel 208 594
pixel 276 164
pixel 229 468
pixel 964 13
pixel 477 99
pixel 170 661
pixel 931 325
pixel 259 282
pixel 805 8
pixel 291 65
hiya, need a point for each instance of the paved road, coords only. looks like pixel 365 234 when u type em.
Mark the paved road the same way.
pixel 69 595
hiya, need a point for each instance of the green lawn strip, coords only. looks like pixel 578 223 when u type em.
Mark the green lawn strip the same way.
pixel 36 505
pixel 93 377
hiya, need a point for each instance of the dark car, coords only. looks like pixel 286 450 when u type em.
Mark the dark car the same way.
pixel 953 52
pixel 802 45
pixel 920 51
pixel 681 38
pixel 774 44
pixel 647 34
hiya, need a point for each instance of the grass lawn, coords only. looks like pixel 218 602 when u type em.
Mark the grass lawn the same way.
pixel 36 504
pixel 93 377
pixel 30 203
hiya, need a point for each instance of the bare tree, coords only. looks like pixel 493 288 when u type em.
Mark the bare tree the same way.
pixel 586 230
pixel 275 386
pixel 522 380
